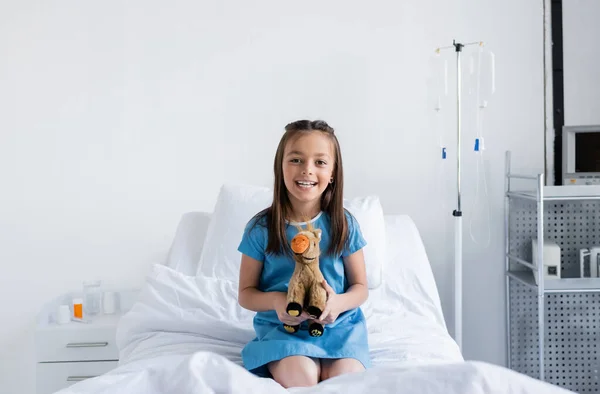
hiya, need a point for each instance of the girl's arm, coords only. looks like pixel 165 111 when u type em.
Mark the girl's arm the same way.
pixel 358 291
pixel 251 298
pixel 356 294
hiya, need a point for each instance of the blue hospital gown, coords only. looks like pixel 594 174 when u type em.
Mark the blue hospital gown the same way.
pixel 344 338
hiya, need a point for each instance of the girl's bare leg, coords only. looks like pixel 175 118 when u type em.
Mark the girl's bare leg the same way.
pixel 340 366
pixel 296 371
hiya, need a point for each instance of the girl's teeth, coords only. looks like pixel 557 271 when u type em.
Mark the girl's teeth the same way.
pixel 305 184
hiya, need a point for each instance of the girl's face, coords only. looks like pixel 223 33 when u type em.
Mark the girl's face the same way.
pixel 308 164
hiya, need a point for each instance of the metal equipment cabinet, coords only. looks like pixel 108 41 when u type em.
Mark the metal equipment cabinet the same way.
pixel 553 327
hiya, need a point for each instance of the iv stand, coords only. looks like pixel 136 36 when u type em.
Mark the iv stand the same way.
pixel 457 213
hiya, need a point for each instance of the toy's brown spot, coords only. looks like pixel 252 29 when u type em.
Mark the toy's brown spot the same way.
pixel 300 243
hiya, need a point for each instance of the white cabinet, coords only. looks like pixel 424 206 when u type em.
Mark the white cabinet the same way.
pixel 54 376
pixel 72 352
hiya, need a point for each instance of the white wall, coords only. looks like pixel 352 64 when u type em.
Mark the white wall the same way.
pixel 581 62
pixel 118 117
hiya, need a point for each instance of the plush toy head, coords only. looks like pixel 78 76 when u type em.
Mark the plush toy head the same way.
pixel 305 245
pixel 305 290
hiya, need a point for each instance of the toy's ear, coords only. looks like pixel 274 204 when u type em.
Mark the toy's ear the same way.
pixel 309 225
pixel 318 232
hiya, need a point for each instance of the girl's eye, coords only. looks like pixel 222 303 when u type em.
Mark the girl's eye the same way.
pixel 321 163
pixel 295 161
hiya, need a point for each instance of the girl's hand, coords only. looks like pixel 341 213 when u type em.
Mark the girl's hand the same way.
pixel 281 306
pixel 333 308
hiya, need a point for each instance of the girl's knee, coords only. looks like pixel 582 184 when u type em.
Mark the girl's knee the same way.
pixel 298 378
pixel 332 368
pixel 296 371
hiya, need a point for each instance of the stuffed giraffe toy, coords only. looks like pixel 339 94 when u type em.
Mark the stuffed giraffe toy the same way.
pixel 305 290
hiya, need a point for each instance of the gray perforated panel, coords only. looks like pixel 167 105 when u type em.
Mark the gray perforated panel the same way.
pixel 572 320
pixel 522 227
pixel 572 225
pixel 523 329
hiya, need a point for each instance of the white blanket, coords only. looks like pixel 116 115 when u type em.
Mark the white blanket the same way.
pixel 208 373
pixel 184 335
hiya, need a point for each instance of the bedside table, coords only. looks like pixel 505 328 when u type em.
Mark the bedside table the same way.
pixel 69 353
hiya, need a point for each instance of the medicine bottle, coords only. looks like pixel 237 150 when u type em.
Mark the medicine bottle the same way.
pixel 78 308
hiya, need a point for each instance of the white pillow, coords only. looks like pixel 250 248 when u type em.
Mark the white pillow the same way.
pixel 369 215
pixel 186 248
pixel 236 204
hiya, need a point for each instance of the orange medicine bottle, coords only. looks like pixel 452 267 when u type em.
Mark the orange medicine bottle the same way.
pixel 78 308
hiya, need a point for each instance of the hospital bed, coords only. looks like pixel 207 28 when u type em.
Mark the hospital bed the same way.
pixel 185 332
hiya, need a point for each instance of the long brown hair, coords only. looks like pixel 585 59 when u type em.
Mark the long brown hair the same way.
pixel 332 199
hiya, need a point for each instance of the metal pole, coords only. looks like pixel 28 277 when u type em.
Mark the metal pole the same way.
pixel 458 213
pixel 540 270
pixel 458 117
pixel 506 259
